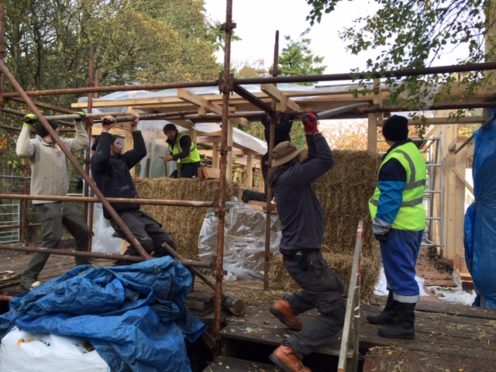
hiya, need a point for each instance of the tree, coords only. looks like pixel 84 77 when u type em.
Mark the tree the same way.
pixel 47 41
pixel 47 45
pixel 411 34
pixel 298 59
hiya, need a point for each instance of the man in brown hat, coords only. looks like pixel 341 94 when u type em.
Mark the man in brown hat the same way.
pixel 303 225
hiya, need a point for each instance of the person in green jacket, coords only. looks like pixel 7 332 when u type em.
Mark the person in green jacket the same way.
pixel 183 150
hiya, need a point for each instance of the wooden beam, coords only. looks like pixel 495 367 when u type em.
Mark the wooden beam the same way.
pixel 375 119
pixel 462 179
pixel 215 155
pixel 283 102
pixel 249 170
pixel 203 104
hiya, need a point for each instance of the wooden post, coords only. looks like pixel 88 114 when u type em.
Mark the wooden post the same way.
pixel 451 194
pixel 372 134
pixel 215 155
pixel 249 169
pixel 374 119
pixel 459 172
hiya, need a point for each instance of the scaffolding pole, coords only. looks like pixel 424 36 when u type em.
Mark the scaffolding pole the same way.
pixel 225 86
pixel 89 199
pixel 409 72
pixel 268 188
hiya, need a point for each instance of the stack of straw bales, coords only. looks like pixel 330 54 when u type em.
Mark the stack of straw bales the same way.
pixel 182 223
pixel 343 193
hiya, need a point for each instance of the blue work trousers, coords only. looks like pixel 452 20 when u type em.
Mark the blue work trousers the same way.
pixel 399 256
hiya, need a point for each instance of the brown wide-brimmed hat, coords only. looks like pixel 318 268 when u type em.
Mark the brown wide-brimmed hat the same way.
pixel 284 152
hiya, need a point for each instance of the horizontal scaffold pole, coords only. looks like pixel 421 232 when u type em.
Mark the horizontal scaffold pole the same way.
pixel 88 199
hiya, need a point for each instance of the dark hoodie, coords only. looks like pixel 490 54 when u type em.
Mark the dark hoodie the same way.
pixel 111 172
pixel 298 208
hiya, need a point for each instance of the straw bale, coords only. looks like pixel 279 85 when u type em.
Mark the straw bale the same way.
pixel 182 223
pixel 279 278
pixel 343 193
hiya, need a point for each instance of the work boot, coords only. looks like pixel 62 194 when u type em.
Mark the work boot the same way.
pixel 27 282
pixel 387 316
pixel 282 311
pixel 403 327
pixel 284 357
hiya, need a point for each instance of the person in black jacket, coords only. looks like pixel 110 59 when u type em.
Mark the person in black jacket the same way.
pixel 303 226
pixel 110 169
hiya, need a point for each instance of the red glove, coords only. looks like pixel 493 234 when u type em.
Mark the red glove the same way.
pixel 310 123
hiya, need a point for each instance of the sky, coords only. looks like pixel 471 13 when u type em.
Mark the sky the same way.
pixel 257 21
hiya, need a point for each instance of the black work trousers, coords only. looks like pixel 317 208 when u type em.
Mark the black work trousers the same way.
pixel 321 289
pixel 146 230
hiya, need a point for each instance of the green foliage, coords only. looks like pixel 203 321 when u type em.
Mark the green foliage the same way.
pixel 298 59
pixel 47 41
pixel 47 45
pixel 413 34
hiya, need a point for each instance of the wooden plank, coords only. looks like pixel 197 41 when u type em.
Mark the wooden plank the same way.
pixel 283 102
pixel 210 173
pixel 224 363
pixel 259 326
pixel 438 332
pixel 249 169
pixel 462 179
pixel 203 104
pixel 397 359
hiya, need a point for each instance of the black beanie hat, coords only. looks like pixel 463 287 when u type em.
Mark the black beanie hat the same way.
pixel 395 128
pixel 169 126
pixel 40 129
pixel 95 141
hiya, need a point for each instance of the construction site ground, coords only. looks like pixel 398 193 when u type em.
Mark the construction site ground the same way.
pixel 449 337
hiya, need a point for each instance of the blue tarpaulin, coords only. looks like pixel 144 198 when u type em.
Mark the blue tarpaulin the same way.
pixel 135 316
pixel 480 218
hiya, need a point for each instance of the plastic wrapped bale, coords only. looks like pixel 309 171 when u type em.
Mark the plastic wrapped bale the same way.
pixel 343 193
pixel 182 223
pixel 25 351
pixel 244 240
pixel 340 263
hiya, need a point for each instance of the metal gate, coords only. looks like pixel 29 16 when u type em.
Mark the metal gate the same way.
pixel 10 214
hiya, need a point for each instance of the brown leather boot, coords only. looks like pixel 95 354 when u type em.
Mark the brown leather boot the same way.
pixel 282 311
pixel 284 357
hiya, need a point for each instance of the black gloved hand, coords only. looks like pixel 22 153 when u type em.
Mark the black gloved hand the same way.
pixel 382 237
pixel 81 114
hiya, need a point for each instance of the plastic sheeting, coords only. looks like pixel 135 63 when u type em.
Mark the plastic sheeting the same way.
pixel 29 352
pixel 244 245
pixel 135 316
pixel 104 240
pixel 480 218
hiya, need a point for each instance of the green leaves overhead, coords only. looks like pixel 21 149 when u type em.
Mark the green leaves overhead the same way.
pixel 298 59
pixel 413 34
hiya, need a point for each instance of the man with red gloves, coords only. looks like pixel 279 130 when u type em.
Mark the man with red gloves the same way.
pixel 303 226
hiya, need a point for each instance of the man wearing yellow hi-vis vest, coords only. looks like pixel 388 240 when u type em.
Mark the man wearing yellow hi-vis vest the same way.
pixel 183 151
pixel 398 222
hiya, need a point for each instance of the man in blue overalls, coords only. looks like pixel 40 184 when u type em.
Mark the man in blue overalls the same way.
pixel 398 222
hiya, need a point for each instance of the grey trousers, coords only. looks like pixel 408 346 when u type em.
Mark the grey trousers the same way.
pixel 54 217
pixel 321 289
pixel 146 230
